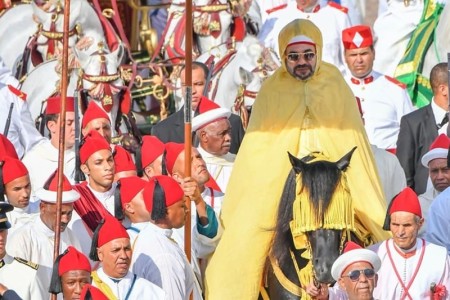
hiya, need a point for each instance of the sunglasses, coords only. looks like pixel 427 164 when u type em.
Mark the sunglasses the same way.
pixel 295 56
pixel 355 274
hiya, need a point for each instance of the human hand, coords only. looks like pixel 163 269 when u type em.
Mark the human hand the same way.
pixel 191 189
pixel 318 293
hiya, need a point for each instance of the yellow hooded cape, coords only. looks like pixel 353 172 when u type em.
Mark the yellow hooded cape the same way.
pixel 318 114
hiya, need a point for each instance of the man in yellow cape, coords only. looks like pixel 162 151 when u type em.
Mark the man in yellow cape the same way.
pixel 300 116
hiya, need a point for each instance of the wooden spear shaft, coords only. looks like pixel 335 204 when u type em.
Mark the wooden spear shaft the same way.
pixel 187 122
pixel 62 129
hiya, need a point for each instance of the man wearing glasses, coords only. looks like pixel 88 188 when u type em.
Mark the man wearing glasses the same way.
pixel 304 106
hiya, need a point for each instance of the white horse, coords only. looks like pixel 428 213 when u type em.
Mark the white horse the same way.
pixel 44 23
pixel 98 74
pixel 212 20
pixel 239 74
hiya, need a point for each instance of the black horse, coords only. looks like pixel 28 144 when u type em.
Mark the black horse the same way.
pixel 319 180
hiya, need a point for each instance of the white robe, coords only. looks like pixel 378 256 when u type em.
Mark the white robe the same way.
pixel 20 216
pixel 24 278
pixel 434 268
pixel 392 32
pixel 159 259
pixel 383 104
pixel 438 228
pixel 22 133
pixel 42 160
pixel 125 289
pixel 34 242
pixel 391 173
pixel 426 199
pixel 219 167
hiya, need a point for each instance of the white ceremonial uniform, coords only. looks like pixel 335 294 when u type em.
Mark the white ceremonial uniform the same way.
pixel 22 133
pixel 42 160
pixel 134 229
pixel 77 225
pixel 391 173
pixel 129 287
pixel 329 19
pixel 34 242
pixel 23 277
pixel 412 276
pixel 219 167
pixel 384 101
pixel 392 32
pixel 260 9
pixel 20 216
pixel 425 201
pixel 438 228
pixel 159 259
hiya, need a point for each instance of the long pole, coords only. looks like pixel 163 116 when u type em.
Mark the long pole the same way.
pixel 62 127
pixel 187 120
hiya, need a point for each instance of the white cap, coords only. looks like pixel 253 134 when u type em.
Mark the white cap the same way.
pixel 209 116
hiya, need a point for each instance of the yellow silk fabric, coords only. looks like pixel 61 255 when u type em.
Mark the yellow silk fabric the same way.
pixel 319 114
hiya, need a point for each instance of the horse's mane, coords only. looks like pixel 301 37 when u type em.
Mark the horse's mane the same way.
pixel 319 180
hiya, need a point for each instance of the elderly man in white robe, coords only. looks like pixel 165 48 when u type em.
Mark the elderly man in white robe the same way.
pixel 411 268
pixel 111 246
pixel 34 241
pixel 435 160
pixel 213 131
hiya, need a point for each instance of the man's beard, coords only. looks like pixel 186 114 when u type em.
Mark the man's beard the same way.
pixel 298 73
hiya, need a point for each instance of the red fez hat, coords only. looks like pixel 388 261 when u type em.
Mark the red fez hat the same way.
pixel 152 148
pixel 90 292
pixel 13 169
pixel 54 105
pixel 357 37
pixel 173 151
pixel 208 113
pixel 408 201
pixel 159 193
pixel 48 192
pixel 354 253
pixel 127 188
pixel 93 112
pixel 123 160
pixel 93 142
pixel 108 230
pixel 72 259
pixel 7 148
pixel 438 149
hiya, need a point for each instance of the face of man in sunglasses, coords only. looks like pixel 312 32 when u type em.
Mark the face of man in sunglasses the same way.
pixel 301 60
pixel 361 288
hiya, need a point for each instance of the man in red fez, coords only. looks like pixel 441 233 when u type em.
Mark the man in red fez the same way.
pixel 411 268
pixel 16 274
pixel 172 128
pixel 71 271
pixel 95 118
pixel 17 189
pixel 97 192
pixel 42 160
pixel 165 265
pixel 111 246
pixel 151 159
pixel 34 241
pixel 384 100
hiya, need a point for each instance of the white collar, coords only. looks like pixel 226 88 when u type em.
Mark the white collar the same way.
pixel 166 232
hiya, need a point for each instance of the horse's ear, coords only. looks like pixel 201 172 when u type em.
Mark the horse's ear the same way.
pixel 246 76
pixel 343 163
pixel 296 163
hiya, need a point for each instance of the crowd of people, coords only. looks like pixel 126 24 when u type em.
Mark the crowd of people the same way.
pixel 122 214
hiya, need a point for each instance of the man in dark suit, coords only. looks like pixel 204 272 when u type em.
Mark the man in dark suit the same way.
pixel 172 128
pixel 419 128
